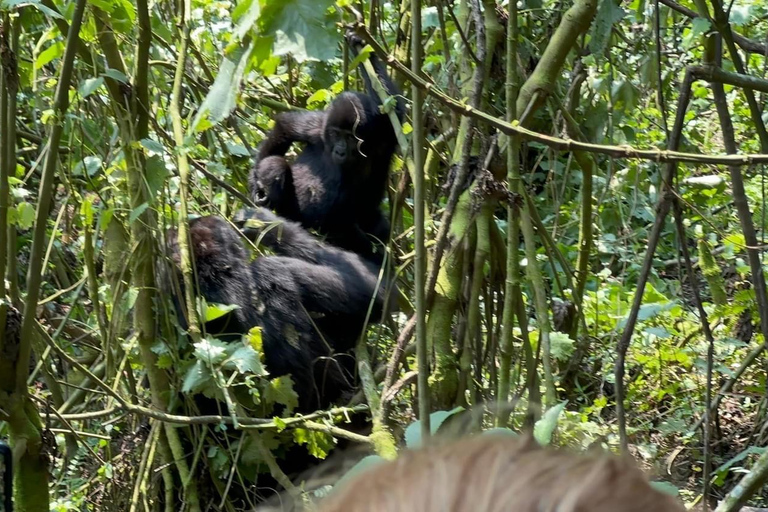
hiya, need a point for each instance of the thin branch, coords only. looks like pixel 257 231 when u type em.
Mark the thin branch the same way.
pixel 559 144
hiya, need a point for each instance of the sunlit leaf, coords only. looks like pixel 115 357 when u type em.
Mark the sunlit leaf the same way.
pixel 211 351
pixel 54 51
pixel 214 311
pixel 280 391
pixel 436 419
pixel 244 16
pixel 245 360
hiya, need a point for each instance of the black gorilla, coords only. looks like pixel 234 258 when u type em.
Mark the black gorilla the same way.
pixel 310 299
pixel 338 181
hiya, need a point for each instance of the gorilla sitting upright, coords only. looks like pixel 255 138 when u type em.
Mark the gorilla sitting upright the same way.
pixel 310 299
pixel 337 182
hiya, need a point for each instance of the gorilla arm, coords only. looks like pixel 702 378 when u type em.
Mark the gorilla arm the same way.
pixel 296 126
pixel 357 44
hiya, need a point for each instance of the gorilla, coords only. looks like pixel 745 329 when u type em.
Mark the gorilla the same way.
pixel 310 299
pixel 337 182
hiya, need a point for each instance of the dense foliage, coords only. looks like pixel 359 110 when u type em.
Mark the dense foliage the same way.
pixel 583 223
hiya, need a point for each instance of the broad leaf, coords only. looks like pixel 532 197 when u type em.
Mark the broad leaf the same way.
pixel 244 16
pixel 545 427
pixel 211 351
pixel 90 86
pixel 10 4
pixel 301 28
pixel 214 311
pixel 245 360
pixel 222 98
pixel 280 391
pixel 197 378
pixel 436 419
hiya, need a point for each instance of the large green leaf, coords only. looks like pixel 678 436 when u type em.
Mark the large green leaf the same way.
pixel 244 359
pixel 197 378
pixel 301 28
pixel 545 427
pixel 280 391
pixel 244 16
pixel 436 419
pixel 222 98
pixel 607 14
pixel 10 4
pixel 211 351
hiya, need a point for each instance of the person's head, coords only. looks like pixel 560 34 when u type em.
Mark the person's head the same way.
pixel 494 473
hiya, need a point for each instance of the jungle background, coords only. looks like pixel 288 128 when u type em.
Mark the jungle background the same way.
pixel 578 247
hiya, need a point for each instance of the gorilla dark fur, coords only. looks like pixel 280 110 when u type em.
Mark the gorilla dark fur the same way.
pixel 337 183
pixel 310 299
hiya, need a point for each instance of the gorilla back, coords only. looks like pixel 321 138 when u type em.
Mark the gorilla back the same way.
pixel 300 298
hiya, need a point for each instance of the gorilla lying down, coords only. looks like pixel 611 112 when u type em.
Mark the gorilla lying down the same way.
pixel 310 299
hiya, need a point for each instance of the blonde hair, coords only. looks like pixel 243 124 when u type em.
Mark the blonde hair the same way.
pixel 495 473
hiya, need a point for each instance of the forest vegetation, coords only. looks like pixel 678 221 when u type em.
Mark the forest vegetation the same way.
pixel 573 222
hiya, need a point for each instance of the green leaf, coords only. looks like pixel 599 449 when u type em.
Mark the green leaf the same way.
pixel 429 18
pixel 245 360
pixel 321 97
pixel 545 427
pixel 197 378
pixel 413 432
pixel 318 443
pixel 90 86
pixel 500 431
pixel 90 164
pixel 86 209
pixel 214 311
pixel 361 56
pixel 301 28
pixel 10 4
pixel 104 5
pixel 607 14
pixel 136 213
pixel 222 97
pixel 122 16
pixel 236 149
pixel 255 340
pixel 280 391
pixel 666 488
pixel 648 311
pixel 25 215
pixel 211 351
pixel 561 346
pixel 115 75
pixel 157 173
pixel 153 146
pixel 699 27
pixel 54 51
pixel 244 16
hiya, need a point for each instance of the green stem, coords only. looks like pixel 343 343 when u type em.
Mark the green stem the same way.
pixel 511 88
pixel 420 269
